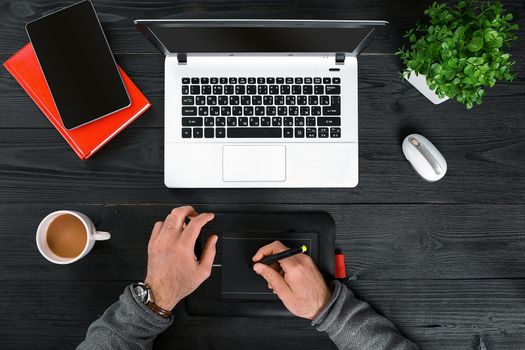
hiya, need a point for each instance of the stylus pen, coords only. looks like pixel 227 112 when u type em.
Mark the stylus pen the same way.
pixel 270 259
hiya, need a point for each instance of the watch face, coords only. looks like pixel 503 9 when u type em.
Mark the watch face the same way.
pixel 142 293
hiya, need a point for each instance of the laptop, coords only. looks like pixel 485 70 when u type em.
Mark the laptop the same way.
pixel 260 103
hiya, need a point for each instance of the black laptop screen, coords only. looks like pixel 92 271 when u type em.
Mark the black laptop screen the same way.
pixel 236 39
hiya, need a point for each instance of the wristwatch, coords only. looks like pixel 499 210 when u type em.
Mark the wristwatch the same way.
pixel 145 295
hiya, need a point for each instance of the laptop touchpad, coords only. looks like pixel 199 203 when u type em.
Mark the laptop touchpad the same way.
pixel 254 163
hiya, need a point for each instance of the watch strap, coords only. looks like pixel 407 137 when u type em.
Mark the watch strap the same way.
pixel 158 310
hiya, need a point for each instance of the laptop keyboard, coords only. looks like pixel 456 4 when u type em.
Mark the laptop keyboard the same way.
pixel 275 107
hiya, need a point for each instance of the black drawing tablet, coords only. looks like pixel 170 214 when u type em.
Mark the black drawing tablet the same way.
pixel 78 65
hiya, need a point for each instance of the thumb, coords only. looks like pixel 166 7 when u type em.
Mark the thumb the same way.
pixel 274 278
pixel 208 255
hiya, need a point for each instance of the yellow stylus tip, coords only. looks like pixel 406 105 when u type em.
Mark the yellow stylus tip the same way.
pixel 304 248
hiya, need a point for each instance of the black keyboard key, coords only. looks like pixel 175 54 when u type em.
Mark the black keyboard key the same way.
pixel 243 121
pixel 231 121
pixel 289 80
pixel 188 100
pixel 271 110
pixel 211 100
pixel 310 121
pixel 329 121
pixel 234 100
pixel 279 100
pixel 265 121
pixel 299 132
pixel 214 80
pixel 220 133
pixel 208 133
pixel 242 80
pixel 205 80
pixel 268 100
pixel 318 89
pixel 251 89
pixel 185 89
pixel 316 110
pixel 203 110
pixel 220 121
pixel 285 89
pixel 194 80
pixel 245 100
pixel 288 121
pixel 256 100
pixel 217 90
pixel 197 133
pixel 323 133
pixel 310 133
pixel 223 100
pixel 226 110
pixel 261 80
pixel 274 89
pixel 305 110
pixel 307 89
pixel 298 80
pixel 317 80
pixel 185 80
pixel 335 101
pixel 206 89
pixel 223 80
pixel 299 121
pixel 270 80
pixel 336 80
pixel 262 89
pixel 313 100
pixel 327 80
pixel 248 110
pixel 240 89
pixel 186 133
pixel 307 80
pixel 282 110
pixel 237 110
pixel 254 132
pixel 293 110
pixel 324 100
pixel 228 89
pixel 200 100
pixel 288 132
pixel 301 100
pixel 209 121
pixel 279 80
pixel 251 80
pixel 296 89
pixel 290 100
pixel 214 111
pixel 195 89
pixel 189 110
pixel 233 80
pixel 333 89
pixel 254 121
pixel 188 121
pixel 277 121
pixel 259 110
pixel 332 110
pixel 335 132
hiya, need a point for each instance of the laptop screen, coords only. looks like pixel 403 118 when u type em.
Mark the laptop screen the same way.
pixel 258 36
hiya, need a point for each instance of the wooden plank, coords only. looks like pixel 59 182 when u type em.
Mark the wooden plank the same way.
pixel 381 242
pixel 385 101
pixel 485 166
pixel 451 314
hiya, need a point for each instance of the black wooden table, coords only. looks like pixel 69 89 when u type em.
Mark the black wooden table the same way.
pixel 444 261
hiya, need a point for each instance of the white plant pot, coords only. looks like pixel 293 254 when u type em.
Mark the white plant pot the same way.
pixel 420 82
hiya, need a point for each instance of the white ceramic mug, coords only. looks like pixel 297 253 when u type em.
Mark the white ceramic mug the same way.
pixel 92 236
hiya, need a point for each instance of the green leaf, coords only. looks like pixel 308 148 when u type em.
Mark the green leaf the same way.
pixel 435 68
pixel 475 44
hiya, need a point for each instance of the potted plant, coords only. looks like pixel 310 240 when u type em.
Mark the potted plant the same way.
pixel 460 51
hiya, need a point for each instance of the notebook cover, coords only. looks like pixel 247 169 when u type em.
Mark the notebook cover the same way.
pixel 84 140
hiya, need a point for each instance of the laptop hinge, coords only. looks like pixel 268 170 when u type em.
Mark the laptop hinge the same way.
pixel 182 58
pixel 339 58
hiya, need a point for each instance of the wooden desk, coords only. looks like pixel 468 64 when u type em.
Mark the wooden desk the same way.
pixel 445 261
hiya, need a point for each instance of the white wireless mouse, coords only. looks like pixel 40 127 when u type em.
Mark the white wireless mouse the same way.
pixel 424 157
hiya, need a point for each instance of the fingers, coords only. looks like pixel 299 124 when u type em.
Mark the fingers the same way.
pixel 174 221
pixel 269 249
pixel 193 229
pixel 208 255
pixel 274 279
pixel 156 229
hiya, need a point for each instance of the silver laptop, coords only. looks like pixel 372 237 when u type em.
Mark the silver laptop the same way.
pixel 260 103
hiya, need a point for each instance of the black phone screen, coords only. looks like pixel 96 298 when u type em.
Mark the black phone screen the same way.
pixel 78 65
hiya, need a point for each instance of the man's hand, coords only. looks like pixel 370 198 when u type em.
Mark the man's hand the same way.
pixel 173 269
pixel 296 281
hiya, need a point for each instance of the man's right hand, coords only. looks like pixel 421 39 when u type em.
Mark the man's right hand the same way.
pixel 296 281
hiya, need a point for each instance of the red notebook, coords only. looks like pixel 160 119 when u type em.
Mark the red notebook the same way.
pixel 84 140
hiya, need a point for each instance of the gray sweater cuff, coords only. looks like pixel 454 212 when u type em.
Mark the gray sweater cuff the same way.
pixel 325 318
pixel 146 313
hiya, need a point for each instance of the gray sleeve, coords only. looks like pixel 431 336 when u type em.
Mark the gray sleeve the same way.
pixel 352 324
pixel 127 324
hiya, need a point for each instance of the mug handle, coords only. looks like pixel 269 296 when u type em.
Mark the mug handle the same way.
pixel 101 235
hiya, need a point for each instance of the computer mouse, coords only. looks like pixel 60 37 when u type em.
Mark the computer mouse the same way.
pixel 428 162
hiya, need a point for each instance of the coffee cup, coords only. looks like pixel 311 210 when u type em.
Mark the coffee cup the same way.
pixel 66 236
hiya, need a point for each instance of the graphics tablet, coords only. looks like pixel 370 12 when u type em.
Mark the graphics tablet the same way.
pixel 78 65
